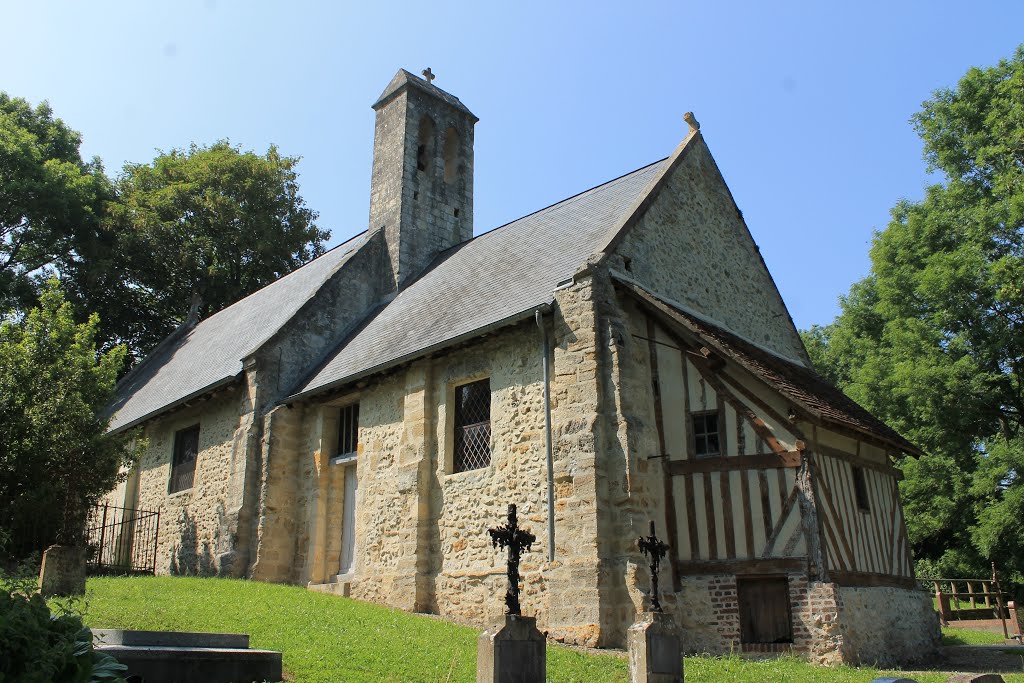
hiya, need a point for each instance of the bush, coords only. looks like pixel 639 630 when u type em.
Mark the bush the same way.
pixel 39 646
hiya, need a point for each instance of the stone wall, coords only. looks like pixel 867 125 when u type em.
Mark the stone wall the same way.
pixel 195 536
pixel 707 610
pixel 692 246
pixel 886 625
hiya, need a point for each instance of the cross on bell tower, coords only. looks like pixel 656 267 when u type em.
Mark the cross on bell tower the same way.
pixel 429 75
pixel 516 540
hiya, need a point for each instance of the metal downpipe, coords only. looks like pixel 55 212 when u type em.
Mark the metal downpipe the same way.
pixel 546 363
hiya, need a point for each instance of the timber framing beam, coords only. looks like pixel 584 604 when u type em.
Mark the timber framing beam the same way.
pixel 744 567
pixel 870 580
pixel 737 462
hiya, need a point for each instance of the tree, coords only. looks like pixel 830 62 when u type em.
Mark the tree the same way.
pixel 48 195
pixel 201 228
pixel 56 458
pixel 932 340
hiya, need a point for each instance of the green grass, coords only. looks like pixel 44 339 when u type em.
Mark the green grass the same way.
pixel 969 636
pixel 326 639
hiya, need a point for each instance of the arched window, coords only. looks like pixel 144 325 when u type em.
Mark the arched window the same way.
pixel 451 154
pixel 425 148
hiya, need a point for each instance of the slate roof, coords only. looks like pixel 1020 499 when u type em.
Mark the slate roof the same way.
pixel 194 362
pixel 497 277
pixel 802 385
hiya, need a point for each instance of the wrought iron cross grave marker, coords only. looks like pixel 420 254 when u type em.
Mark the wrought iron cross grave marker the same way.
pixel 657 549
pixel 516 540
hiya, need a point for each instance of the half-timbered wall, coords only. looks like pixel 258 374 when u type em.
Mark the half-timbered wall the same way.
pixel 742 504
pixel 861 540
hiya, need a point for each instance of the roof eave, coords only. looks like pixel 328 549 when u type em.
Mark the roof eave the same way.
pixel 219 384
pixel 809 413
pixel 409 357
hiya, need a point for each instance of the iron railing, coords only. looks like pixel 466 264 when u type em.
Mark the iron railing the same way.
pixel 122 540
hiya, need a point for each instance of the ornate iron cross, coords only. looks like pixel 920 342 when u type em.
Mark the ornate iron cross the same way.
pixel 657 549
pixel 516 540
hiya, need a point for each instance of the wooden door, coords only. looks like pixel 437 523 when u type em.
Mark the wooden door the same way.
pixel 764 610
pixel 348 522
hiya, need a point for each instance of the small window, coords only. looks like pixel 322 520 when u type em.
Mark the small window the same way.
pixel 705 434
pixel 425 148
pixel 348 431
pixel 183 464
pixel 765 615
pixel 451 155
pixel 860 490
pixel 472 426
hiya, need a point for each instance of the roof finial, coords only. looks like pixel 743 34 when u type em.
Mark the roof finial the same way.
pixel 691 121
pixel 429 75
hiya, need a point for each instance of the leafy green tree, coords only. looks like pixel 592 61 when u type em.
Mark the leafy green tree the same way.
pixel 56 458
pixel 201 228
pixel 49 197
pixel 933 339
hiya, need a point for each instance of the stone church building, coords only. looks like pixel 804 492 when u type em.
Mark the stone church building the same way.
pixel 618 357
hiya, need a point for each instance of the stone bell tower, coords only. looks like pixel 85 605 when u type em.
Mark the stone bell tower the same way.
pixel 421 191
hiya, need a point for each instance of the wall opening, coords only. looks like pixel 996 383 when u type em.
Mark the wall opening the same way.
pixel 765 613
pixel 425 148
pixel 451 154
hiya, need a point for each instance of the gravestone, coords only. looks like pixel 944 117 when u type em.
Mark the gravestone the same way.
pixel 653 639
pixel 63 570
pixel 975 678
pixel 512 651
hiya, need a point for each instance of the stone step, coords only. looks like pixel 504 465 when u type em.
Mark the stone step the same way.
pixel 116 636
pixel 342 588
pixel 180 657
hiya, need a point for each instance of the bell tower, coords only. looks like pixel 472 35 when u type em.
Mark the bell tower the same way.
pixel 421 191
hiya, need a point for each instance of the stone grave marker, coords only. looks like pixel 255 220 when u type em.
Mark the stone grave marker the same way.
pixel 512 651
pixel 653 639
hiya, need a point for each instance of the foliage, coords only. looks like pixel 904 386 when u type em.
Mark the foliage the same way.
pixel 49 197
pixel 55 458
pixel 201 228
pixel 197 228
pixel 932 340
pixel 45 643
pixel 328 638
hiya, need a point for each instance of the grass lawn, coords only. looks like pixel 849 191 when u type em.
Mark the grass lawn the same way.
pixel 326 639
pixel 969 636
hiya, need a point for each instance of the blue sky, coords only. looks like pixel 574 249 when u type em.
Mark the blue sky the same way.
pixel 805 105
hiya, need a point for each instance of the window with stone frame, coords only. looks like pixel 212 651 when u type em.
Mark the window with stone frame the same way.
pixel 348 431
pixel 472 426
pixel 706 439
pixel 183 462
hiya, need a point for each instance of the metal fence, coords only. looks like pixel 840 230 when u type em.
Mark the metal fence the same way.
pixel 122 540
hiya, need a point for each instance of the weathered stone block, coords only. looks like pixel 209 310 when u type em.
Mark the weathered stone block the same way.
pixel 513 651
pixel 63 570
pixel 654 653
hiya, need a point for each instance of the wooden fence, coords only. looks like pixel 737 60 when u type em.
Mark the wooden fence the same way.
pixel 971 600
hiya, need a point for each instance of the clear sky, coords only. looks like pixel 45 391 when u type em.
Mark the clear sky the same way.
pixel 805 105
